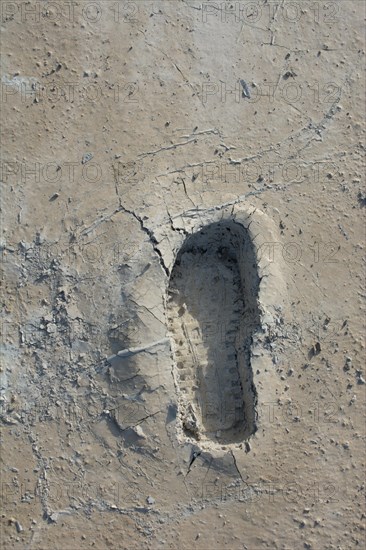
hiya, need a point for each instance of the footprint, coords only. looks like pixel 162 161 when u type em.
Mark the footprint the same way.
pixel 212 314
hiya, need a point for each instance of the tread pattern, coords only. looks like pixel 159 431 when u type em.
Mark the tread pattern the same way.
pixel 206 311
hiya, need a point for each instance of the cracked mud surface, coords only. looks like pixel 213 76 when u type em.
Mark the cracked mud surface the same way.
pixel 125 134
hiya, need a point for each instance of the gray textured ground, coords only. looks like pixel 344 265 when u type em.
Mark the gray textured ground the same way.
pixel 125 130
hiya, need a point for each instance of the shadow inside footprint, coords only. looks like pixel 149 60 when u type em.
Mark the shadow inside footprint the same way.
pixel 213 312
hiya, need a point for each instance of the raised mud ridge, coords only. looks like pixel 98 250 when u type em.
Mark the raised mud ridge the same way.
pixel 212 313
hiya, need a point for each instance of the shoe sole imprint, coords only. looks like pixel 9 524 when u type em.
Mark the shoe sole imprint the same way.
pixel 212 314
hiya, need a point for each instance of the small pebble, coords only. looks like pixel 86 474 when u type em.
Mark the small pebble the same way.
pixel 139 432
pixel 86 158
pixel 18 526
